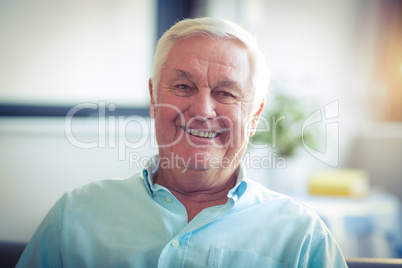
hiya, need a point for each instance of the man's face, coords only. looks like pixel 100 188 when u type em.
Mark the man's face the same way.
pixel 204 102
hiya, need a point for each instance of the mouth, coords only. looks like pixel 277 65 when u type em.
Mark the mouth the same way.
pixel 200 133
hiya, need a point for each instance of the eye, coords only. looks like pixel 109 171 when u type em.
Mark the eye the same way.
pixel 225 94
pixel 183 87
pixel 225 97
pixel 182 90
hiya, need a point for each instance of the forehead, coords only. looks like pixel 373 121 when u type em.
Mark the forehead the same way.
pixel 198 54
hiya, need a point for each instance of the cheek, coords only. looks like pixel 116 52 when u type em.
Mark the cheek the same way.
pixel 168 112
pixel 245 125
pixel 236 122
pixel 170 105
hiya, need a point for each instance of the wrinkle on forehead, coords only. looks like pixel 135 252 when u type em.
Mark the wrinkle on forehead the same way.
pixel 225 62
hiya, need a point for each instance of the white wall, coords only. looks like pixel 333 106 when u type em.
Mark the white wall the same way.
pixel 66 52
pixel 38 164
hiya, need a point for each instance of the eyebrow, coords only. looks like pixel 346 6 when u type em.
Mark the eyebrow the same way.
pixel 181 73
pixel 228 83
pixel 221 83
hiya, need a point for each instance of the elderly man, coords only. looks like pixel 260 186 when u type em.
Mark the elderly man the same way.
pixel 193 205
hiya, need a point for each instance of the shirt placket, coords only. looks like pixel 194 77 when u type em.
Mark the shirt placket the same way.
pixel 174 253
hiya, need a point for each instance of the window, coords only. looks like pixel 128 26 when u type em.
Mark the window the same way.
pixel 62 53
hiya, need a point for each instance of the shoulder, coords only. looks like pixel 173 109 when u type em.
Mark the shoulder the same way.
pixel 260 194
pixel 108 186
pixel 101 202
pixel 286 214
pixel 281 206
pixel 104 192
pixel 296 228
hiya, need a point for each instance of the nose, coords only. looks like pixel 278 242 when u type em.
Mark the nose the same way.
pixel 203 106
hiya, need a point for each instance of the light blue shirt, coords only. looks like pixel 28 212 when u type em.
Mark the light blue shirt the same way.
pixel 135 223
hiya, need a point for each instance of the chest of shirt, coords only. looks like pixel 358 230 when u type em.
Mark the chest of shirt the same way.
pixel 157 234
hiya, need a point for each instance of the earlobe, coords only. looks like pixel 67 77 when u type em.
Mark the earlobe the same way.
pixel 152 102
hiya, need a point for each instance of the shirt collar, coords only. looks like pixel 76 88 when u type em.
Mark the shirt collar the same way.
pixel 152 167
pixel 241 185
pixel 148 173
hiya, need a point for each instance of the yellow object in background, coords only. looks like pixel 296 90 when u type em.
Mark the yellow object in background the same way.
pixel 339 182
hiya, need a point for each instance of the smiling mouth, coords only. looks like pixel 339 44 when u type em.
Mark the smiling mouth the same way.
pixel 202 134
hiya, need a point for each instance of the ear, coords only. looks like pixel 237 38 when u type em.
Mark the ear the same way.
pixel 256 117
pixel 152 101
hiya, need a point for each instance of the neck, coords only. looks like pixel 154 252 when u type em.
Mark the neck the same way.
pixel 198 190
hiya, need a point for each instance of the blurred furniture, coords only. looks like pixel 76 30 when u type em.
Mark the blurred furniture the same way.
pixel 377 149
pixel 370 226
pixel 373 263
pixel 10 252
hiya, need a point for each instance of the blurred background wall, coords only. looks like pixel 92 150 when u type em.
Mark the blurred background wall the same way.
pixel 56 55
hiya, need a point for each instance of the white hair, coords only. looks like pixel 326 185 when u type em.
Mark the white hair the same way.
pixel 218 29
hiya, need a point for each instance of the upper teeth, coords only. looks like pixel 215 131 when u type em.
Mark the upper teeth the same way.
pixel 204 134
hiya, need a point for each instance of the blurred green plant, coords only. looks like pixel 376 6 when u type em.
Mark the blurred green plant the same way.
pixel 280 125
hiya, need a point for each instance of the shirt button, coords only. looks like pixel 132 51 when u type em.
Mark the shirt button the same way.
pixel 175 243
pixel 168 199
